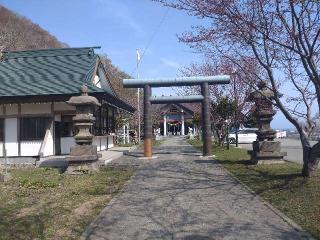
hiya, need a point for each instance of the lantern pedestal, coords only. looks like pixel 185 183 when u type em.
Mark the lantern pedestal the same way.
pixel 83 156
pixel 265 150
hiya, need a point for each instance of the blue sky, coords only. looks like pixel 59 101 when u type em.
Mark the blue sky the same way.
pixel 120 27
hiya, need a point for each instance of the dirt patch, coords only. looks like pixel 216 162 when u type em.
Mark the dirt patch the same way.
pixel 23 212
pixel 86 208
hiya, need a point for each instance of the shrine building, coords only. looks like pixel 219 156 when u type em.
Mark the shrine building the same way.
pixel 35 120
pixel 178 119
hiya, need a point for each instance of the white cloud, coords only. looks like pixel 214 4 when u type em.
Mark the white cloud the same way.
pixel 170 63
pixel 121 12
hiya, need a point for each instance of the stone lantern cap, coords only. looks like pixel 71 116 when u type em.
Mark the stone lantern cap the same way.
pixel 84 99
pixel 263 92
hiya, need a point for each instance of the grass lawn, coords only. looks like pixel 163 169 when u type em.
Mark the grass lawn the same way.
pixel 126 145
pixel 43 204
pixel 279 184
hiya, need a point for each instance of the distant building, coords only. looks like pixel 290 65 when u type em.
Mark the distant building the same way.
pixel 177 119
pixel 281 134
pixel 35 119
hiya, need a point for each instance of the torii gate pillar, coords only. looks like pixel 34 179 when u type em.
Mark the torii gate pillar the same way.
pixel 206 124
pixel 147 122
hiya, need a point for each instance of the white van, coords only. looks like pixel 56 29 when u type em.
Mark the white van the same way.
pixel 246 135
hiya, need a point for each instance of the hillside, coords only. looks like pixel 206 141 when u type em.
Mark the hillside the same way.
pixel 116 75
pixel 19 33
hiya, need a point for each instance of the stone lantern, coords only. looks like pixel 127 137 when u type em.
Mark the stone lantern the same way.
pixel 83 156
pixel 265 149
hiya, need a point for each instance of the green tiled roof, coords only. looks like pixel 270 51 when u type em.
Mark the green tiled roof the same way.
pixel 46 72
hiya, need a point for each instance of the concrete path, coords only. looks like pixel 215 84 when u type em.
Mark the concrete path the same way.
pixel 115 153
pixel 181 196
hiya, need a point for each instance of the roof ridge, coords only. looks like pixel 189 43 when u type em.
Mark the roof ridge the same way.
pixel 46 49
pixel 48 52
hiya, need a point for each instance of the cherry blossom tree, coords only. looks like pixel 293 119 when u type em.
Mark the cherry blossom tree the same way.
pixel 241 85
pixel 281 35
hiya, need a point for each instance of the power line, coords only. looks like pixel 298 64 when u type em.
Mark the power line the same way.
pixel 156 30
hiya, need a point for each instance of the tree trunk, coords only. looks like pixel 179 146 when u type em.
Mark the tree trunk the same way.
pixel 219 137
pixel 306 149
pixel 311 157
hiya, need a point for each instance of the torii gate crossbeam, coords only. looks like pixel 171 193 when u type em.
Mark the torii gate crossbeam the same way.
pixel 204 82
pixel 176 99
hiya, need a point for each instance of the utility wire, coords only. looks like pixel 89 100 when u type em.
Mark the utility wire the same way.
pixel 156 30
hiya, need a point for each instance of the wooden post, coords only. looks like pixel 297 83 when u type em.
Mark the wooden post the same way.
pixel 182 123
pixel 165 125
pixel 147 122
pixel 206 125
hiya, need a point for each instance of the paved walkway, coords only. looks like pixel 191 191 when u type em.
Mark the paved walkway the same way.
pixel 181 196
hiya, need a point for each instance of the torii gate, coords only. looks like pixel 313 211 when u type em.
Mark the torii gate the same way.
pixel 204 98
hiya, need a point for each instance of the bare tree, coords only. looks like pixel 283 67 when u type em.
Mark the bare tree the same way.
pixel 19 33
pixel 282 35
pixel 237 91
pixel 128 95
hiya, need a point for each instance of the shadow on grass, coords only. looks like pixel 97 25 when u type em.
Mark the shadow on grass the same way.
pixel 289 181
pixel 234 162
pixel 207 161
pixel 261 177
pixel 19 225
pixel 25 227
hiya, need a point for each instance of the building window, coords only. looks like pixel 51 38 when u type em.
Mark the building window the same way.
pixel 111 120
pixel 173 109
pixel 100 125
pixel 103 122
pixel 67 129
pixel 96 127
pixel 1 129
pixel 97 81
pixel 33 128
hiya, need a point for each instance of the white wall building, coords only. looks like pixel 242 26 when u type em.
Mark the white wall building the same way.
pixel 177 119
pixel 35 119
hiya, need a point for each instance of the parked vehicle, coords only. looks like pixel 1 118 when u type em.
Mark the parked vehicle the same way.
pixel 247 135
pixel 281 134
